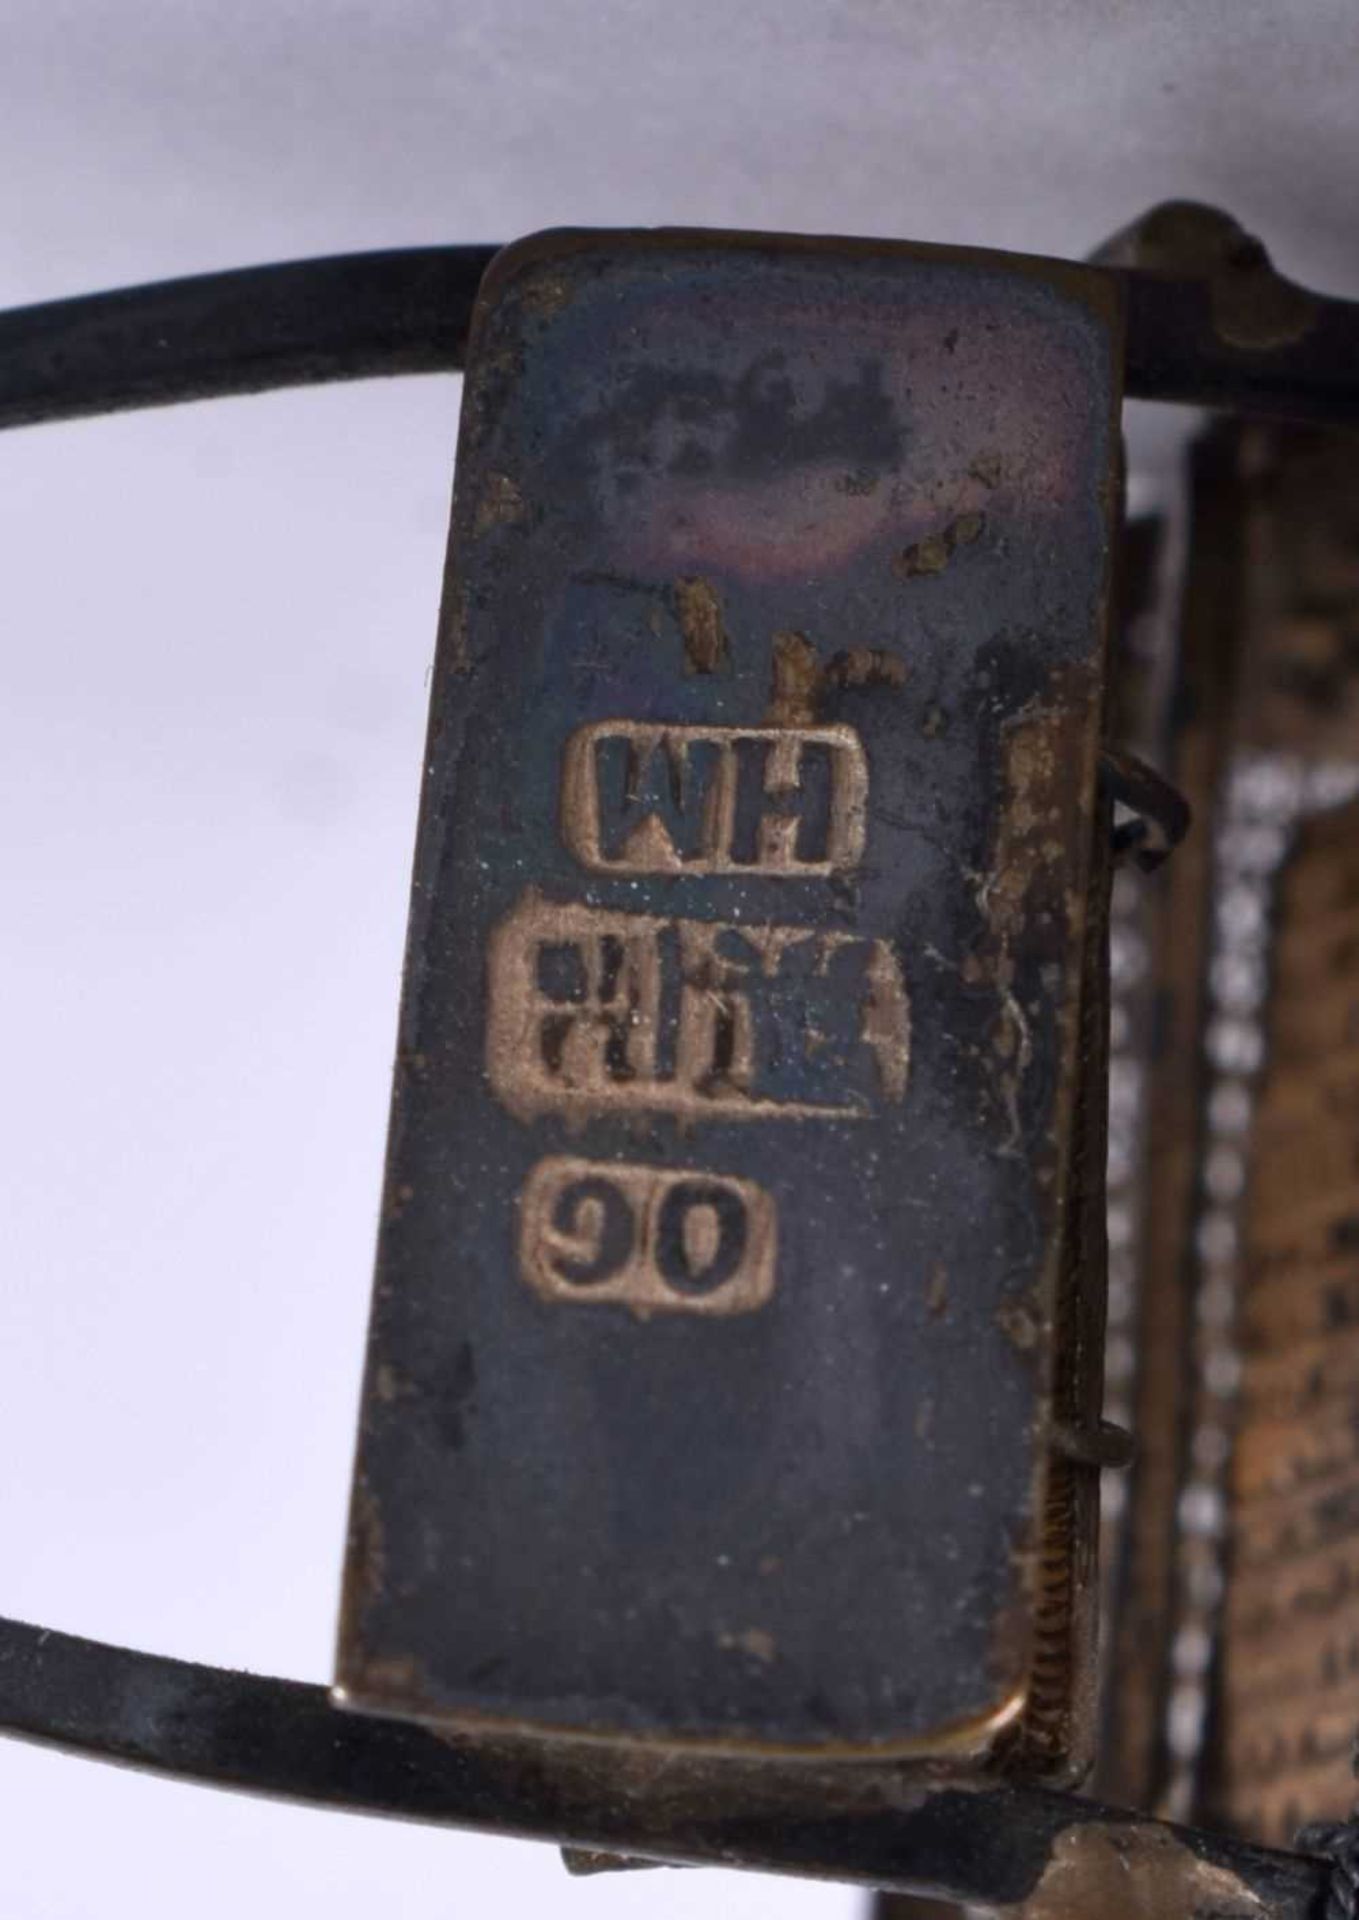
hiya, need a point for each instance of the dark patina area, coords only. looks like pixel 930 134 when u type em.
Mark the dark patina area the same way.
pixel 856 495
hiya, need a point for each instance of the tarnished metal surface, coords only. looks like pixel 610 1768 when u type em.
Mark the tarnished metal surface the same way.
pixel 735 1185
pixel 1101 1868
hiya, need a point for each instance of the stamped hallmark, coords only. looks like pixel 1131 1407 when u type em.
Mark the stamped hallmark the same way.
pixel 654 1239
pixel 593 1011
pixel 640 798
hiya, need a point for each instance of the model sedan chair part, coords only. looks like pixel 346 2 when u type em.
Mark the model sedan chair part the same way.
pixel 727 1480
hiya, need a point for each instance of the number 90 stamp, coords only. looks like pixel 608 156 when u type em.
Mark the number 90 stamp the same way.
pixel 653 1239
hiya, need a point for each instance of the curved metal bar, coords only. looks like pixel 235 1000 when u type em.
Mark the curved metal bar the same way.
pixel 875 1824
pixel 226 333
pixel 1209 322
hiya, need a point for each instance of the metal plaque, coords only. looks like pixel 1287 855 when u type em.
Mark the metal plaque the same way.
pixel 725 1273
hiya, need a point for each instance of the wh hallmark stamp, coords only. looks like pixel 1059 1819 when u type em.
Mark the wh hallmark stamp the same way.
pixel 776 800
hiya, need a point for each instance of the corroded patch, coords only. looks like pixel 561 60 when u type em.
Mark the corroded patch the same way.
pixel 699 611
pixel 1127 1872
pixel 794 682
pixel 933 553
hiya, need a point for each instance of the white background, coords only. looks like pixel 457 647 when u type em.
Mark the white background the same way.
pixel 215 633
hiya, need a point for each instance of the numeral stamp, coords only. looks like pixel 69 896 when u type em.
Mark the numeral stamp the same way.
pixel 653 1239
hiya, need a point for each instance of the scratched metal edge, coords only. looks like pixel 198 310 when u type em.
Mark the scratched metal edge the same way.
pixel 366 1687
pixel 1071 1617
